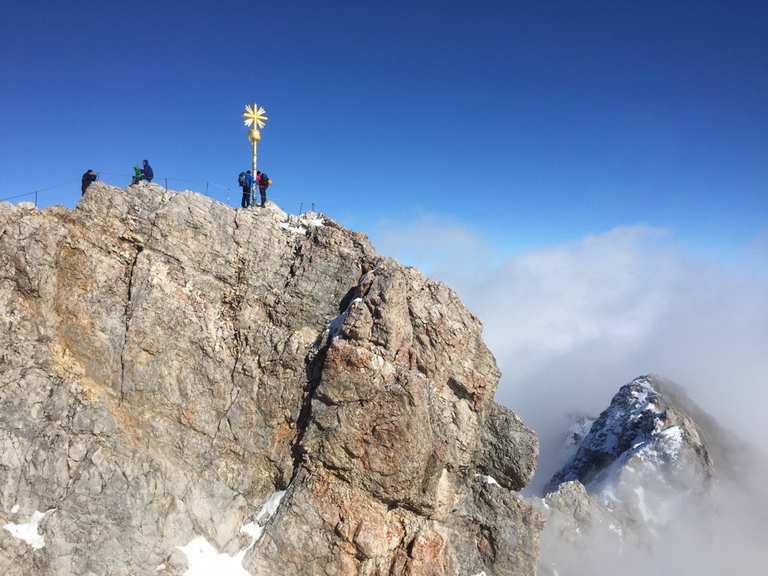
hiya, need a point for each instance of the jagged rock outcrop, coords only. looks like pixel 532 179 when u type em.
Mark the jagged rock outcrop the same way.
pixel 581 535
pixel 173 370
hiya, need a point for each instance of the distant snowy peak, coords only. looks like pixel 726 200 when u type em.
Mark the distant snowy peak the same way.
pixel 643 432
pixel 645 463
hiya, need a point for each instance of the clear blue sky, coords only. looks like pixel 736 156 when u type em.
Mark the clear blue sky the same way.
pixel 533 121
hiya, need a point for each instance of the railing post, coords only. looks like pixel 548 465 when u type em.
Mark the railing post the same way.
pixel 35 198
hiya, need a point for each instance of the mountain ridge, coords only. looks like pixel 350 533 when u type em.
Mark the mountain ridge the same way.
pixel 171 364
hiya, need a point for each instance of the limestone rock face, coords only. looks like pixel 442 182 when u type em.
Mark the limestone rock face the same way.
pixel 179 379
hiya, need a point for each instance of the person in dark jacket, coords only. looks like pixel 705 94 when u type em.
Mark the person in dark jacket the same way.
pixel 247 185
pixel 88 178
pixel 263 181
pixel 148 172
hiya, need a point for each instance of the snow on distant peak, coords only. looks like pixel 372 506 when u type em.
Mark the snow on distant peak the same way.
pixel 204 560
pixel 640 433
pixel 642 455
pixel 633 418
pixel 578 430
pixel 29 532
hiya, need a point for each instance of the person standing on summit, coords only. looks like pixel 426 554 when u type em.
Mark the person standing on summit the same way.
pixel 245 179
pixel 263 182
pixel 148 172
pixel 88 178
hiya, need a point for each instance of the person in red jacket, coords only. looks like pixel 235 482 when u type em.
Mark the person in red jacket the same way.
pixel 263 182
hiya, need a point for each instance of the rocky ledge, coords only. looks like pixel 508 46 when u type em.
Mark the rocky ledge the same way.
pixel 186 388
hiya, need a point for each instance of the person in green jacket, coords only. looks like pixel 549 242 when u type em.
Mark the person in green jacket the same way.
pixel 138 175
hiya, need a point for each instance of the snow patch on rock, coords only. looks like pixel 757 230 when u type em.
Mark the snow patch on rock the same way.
pixel 336 324
pixel 300 224
pixel 204 560
pixel 293 229
pixel 490 480
pixel 29 531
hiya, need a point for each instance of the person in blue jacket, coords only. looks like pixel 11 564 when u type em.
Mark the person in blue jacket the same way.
pixel 88 179
pixel 246 183
pixel 148 172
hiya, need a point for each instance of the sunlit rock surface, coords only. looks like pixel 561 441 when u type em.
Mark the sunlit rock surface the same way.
pixel 169 364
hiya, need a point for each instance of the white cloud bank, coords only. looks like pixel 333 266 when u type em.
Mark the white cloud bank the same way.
pixel 571 323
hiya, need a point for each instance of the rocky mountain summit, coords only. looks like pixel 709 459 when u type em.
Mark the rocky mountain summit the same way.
pixel 644 462
pixel 646 431
pixel 186 388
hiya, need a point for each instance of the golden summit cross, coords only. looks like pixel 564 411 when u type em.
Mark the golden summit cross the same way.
pixel 255 118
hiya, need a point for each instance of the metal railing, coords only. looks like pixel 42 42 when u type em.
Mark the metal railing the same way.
pixel 17 196
pixel 36 193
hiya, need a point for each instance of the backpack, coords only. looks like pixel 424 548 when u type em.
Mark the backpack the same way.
pixel 241 179
pixel 264 180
